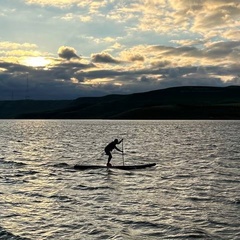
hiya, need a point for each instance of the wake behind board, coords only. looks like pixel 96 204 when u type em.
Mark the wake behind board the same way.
pixel 123 167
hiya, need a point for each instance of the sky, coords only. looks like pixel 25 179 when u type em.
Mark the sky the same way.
pixel 65 49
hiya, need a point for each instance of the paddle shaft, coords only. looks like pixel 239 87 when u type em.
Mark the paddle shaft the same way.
pixel 122 153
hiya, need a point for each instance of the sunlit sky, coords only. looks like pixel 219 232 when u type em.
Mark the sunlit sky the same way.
pixel 65 49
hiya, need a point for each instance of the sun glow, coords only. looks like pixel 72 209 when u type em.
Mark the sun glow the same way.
pixel 37 61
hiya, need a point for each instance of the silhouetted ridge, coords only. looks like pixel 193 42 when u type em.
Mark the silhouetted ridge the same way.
pixel 172 103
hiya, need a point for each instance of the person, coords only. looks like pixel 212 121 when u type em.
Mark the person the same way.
pixel 109 148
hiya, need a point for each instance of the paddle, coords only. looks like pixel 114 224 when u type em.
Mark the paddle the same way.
pixel 122 153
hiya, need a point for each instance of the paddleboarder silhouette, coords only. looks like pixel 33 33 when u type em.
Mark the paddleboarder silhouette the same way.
pixel 108 149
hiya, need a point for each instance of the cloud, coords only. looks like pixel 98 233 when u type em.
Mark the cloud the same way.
pixel 55 82
pixel 93 6
pixel 72 79
pixel 128 46
pixel 104 58
pixel 67 53
pixel 132 56
pixel 13 45
pixel 232 34
pixel 14 49
pixel 212 53
pixel 80 17
pixel 161 16
pixel 56 3
pixel 140 68
pixel 222 49
pixel 205 17
pixel 213 17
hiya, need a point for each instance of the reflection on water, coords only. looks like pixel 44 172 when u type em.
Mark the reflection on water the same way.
pixel 192 193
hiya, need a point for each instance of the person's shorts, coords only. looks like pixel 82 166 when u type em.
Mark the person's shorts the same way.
pixel 107 152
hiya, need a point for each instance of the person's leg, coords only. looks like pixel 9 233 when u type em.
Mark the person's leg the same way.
pixel 109 159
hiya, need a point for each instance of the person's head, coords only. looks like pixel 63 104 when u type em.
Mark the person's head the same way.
pixel 116 140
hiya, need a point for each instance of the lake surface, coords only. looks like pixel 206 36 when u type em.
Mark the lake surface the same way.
pixel 193 192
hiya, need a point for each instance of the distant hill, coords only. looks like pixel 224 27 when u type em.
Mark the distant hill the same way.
pixel 12 109
pixel 171 103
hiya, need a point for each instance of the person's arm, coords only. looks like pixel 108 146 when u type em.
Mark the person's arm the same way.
pixel 120 141
pixel 118 149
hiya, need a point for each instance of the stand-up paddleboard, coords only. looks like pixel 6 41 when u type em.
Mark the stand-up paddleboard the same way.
pixel 123 167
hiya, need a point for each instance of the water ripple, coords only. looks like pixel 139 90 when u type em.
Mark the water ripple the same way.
pixel 193 193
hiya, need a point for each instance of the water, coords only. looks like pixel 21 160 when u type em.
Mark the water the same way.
pixel 194 192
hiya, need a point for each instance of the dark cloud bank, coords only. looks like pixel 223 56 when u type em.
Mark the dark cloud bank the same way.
pixel 70 77
pixel 66 80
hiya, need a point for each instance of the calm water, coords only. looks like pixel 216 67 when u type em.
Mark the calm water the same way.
pixel 194 192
